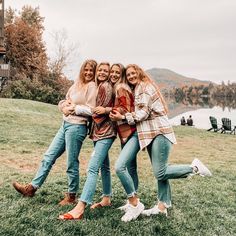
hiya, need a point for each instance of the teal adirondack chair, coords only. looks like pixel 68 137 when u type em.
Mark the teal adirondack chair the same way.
pixel 214 125
pixel 226 126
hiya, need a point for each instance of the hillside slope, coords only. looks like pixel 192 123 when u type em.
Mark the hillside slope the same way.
pixel 27 128
pixel 168 79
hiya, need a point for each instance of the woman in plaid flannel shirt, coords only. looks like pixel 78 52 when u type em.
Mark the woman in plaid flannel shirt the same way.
pixel 156 134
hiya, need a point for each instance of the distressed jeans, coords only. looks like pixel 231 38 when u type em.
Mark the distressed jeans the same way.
pixel 158 151
pixel 99 159
pixel 70 138
pixel 126 159
pixel 132 169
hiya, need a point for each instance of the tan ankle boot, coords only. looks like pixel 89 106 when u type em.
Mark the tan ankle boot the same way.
pixel 27 190
pixel 70 198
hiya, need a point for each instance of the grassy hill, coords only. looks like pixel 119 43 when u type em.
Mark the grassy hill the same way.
pixel 168 79
pixel 201 206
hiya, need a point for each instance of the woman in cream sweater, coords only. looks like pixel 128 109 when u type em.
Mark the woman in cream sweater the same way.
pixel 76 109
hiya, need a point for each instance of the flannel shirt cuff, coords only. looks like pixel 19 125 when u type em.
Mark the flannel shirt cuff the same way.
pixel 129 118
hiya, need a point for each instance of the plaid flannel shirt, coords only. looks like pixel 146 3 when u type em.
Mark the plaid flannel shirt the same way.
pixel 149 115
pixel 102 126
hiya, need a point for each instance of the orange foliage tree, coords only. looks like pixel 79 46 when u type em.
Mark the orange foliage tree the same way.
pixel 31 78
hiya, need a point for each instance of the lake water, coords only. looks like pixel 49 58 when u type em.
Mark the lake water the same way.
pixel 200 116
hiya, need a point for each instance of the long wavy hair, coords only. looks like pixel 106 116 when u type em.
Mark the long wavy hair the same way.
pixel 122 72
pixel 80 81
pixel 122 79
pixel 144 77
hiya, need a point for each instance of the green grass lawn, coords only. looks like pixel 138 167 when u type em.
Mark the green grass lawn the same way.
pixel 201 206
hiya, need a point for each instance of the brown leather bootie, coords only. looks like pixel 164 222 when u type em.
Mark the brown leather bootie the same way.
pixel 27 190
pixel 70 198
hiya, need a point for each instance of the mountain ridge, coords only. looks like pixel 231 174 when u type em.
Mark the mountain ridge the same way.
pixel 168 79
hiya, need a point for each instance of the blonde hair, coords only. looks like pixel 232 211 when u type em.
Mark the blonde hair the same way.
pixel 122 79
pixel 144 77
pixel 122 72
pixel 100 64
pixel 80 81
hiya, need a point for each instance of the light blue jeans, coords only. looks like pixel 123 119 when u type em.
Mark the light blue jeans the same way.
pixel 132 169
pixel 70 138
pixel 99 159
pixel 125 161
pixel 105 174
pixel 106 177
pixel 158 151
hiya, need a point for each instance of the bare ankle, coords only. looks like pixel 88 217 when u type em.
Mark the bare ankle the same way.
pixel 161 206
pixel 106 200
pixel 133 200
pixel 80 206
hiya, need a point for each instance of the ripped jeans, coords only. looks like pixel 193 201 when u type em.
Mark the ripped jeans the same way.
pixel 69 137
pixel 127 156
pixel 158 151
pixel 99 159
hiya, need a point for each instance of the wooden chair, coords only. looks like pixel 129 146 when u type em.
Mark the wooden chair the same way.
pixel 214 124
pixel 226 126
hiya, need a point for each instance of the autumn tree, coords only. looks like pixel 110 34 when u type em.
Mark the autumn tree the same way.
pixel 31 77
pixel 25 48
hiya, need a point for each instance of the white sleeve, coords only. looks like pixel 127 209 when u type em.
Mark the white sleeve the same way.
pixel 87 108
pixel 83 110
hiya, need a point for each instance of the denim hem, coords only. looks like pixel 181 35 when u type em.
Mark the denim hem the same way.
pixel 106 195
pixel 72 192
pixel 131 194
pixel 35 186
pixel 165 204
pixel 85 201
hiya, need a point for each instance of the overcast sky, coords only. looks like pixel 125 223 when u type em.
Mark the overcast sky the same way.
pixel 195 38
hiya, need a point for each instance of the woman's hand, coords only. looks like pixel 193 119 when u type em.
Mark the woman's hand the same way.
pixel 99 110
pixel 68 110
pixel 115 116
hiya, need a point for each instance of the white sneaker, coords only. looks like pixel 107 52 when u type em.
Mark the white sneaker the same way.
pixel 154 211
pixel 133 212
pixel 124 207
pixel 202 169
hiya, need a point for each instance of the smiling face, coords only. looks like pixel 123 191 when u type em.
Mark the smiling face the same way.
pixel 88 73
pixel 102 73
pixel 132 76
pixel 115 74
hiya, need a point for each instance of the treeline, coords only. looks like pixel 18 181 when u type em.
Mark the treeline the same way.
pixel 211 95
pixel 223 102
pixel 211 90
pixel 32 74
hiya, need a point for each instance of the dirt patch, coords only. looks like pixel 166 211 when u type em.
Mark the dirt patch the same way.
pixel 29 164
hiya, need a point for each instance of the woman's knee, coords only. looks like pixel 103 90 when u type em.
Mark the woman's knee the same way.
pixel 159 174
pixel 93 169
pixel 72 171
pixel 105 168
pixel 119 168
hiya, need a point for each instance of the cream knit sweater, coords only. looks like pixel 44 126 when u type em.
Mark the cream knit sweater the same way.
pixel 84 100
